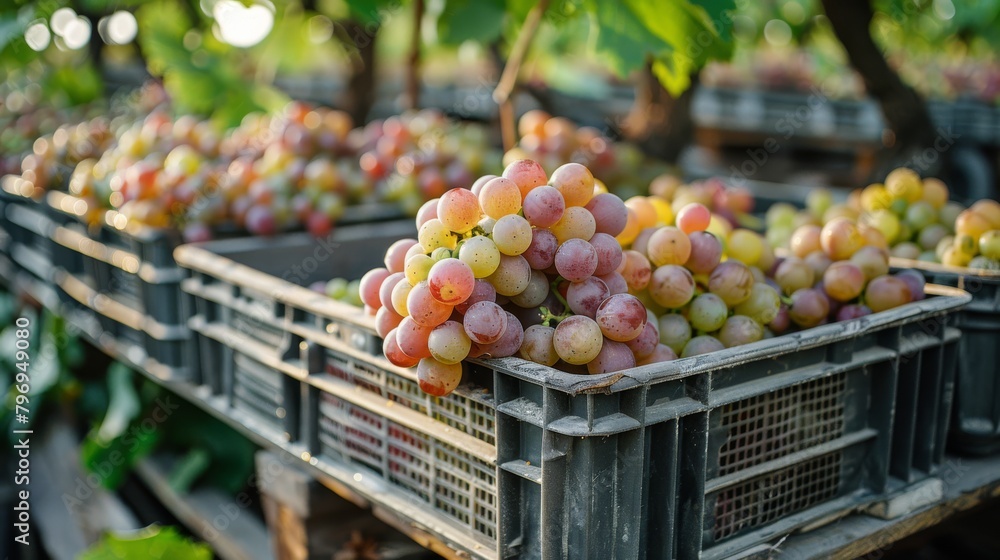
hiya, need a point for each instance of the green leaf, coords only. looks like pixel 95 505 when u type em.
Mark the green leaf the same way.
pixel 373 11
pixel 151 542
pixel 470 20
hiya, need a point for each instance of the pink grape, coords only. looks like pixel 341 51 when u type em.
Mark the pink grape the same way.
pixel 478 185
pixel 371 283
pixel 782 320
pixel 526 174
pixel 575 182
pixel 428 211
pixel 438 379
pixel 671 286
pixel 577 339
pixel 693 217
pixel 451 281
pixel 485 322
pixel 585 297
pixel 809 308
pixel 614 356
pixel 662 353
pixel 386 319
pixel 500 197
pixel 609 212
pixel 915 281
pixel 731 281
pixel 852 311
pixel 385 290
pixel 424 308
pixel 886 292
pixel 706 252
pixel 702 345
pixel 644 344
pixel 843 281
pixel 458 210
pixel 482 291
pixel 412 338
pixel 541 253
pixel 509 342
pixel 609 253
pixel 636 270
pixel 616 283
pixel 537 345
pixel 621 317
pixel 395 255
pixel 576 260
pixel 544 206
pixel 392 352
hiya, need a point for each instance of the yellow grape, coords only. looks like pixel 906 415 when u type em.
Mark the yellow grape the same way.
pixel 576 222
pixel 417 268
pixel 481 254
pixel 746 246
pixel 434 234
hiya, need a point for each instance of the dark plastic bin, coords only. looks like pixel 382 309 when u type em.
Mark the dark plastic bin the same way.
pixel 975 427
pixel 699 458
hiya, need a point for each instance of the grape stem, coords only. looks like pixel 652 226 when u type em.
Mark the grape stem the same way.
pixel 554 288
pixel 548 316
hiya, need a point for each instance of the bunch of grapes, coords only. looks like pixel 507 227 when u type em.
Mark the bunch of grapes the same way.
pixel 522 264
pixel 840 272
pixel 919 222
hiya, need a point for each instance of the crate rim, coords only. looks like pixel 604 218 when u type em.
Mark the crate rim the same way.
pixel 199 257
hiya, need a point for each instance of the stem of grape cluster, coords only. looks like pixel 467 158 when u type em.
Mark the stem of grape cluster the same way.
pixel 508 79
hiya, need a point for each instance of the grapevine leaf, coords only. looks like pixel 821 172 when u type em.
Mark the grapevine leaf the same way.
pixel 466 20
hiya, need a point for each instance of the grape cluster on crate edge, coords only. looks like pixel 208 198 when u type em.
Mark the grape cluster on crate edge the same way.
pixel 555 271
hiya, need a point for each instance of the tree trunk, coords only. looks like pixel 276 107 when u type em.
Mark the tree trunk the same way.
pixel 361 83
pixel 902 107
pixel 659 123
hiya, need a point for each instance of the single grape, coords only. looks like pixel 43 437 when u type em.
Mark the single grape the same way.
pixel 427 212
pixel 621 317
pixel 731 281
pixel 482 291
pixel 438 379
pixel 458 210
pixel 707 312
pixel 669 245
pixel 693 217
pixel 544 206
pixel 371 282
pixel 509 343
pixel 574 182
pixel 641 242
pixel 485 322
pixel 662 353
pixel 706 252
pixel 915 281
pixel 852 311
pixel 392 352
pixel 541 253
pixel 537 345
pixel 512 234
pixel 840 238
pixel 609 213
pixel 576 260
pixel 671 286
pixel 781 321
pixel 794 274
pixel 576 222
pixel 615 282
pixel 412 338
pixel 477 187
pixel 385 290
pixel 535 293
pixel 631 229
pixel 931 235
pixel 481 254
pixel 395 255
pixel 399 295
pixel 424 308
pixel 614 356
pixel 451 281
pixel 805 240
pixel 886 292
pixel 635 269
pixel 500 197
pixel 526 174
pixel 434 234
pixel 675 331
pixel 585 297
pixel 577 339
pixel 417 268
pixel 511 276
pixel 609 253
pixel 644 344
pixel 702 345
pixel 809 308
pixel 843 281
pixel 448 343
pixel 762 305
pixel 386 319
pixel 440 254
pixel 739 330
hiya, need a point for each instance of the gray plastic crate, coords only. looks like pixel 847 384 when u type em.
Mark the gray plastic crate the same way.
pixel 28 226
pixel 698 458
pixel 975 427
